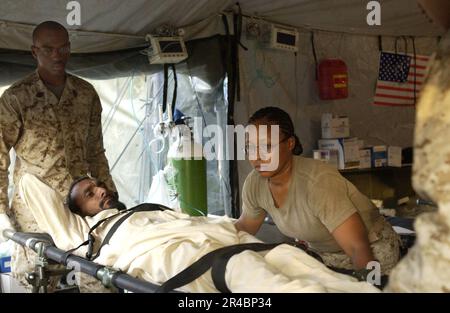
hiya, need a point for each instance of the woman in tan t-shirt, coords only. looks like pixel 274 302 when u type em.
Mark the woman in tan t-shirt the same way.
pixel 309 200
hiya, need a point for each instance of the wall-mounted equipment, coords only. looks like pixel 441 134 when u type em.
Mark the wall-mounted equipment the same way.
pixel 166 50
pixel 332 79
pixel 284 38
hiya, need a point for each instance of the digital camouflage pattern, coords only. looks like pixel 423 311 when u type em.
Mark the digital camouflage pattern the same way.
pixel 56 140
pixel 385 248
pixel 426 267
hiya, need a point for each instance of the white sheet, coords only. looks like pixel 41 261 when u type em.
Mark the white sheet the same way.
pixel 157 245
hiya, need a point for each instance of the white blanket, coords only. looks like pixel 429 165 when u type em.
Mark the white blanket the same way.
pixel 155 246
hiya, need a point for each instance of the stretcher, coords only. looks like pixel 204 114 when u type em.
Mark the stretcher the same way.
pixel 46 251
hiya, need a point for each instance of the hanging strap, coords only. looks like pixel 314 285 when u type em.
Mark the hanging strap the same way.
pixel 165 84
pixel 415 68
pixel 238 27
pixel 216 259
pixel 405 41
pixel 175 88
pixel 380 43
pixel 315 56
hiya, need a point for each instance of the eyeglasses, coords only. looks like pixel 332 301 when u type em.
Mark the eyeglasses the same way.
pixel 264 150
pixel 48 51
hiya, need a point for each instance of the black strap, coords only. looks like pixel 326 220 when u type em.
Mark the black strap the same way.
pixel 199 267
pixel 66 254
pixel 175 88
pixel 415 68
pixel 165 84
pixel 188 274
pixel 219 265
pixel 238 27
pixel 107 238
pixel 316 65
pixel 91 239
pixel 140 208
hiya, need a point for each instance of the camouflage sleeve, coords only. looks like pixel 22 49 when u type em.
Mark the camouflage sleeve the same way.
pixel 98 164
pixel 10 125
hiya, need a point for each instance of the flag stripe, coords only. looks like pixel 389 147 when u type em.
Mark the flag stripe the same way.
pixel 390 104
pixel 393 90
pixel 394 100
pixel 398 88
pixel 421 58
pixel 417 75
pixel 419 67
pixel 397 92
pixel 382 95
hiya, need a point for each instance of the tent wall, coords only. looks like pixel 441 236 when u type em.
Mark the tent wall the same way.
pixel 398 17
pixel 133 159
pixel 130 100
pixel 110 25
pixel 282 79
pixel 110 40
pixel 16 64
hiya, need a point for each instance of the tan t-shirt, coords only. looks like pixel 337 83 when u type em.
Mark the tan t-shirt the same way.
pixel 318 201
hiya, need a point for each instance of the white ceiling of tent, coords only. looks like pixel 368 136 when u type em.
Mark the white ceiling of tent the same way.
pixel 117 24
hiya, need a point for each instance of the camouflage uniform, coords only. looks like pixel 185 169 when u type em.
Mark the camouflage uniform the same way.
pixel 385 245
pixel 56 140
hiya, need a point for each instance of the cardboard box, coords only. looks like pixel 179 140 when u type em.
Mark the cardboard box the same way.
pixel 365 159
pixel 395 156
pixel 379 156
pixel 334 127
pixel 360 144
pixel 8 284
pixel 328 156
pixel 347 150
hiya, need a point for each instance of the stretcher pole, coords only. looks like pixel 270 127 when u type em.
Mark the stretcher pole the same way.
pixel 108 276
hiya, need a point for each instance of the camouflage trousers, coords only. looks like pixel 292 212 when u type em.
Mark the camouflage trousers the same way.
pixel 386 250
pixel 23 259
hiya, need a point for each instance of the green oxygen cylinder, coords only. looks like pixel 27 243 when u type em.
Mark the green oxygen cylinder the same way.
pixel 188 167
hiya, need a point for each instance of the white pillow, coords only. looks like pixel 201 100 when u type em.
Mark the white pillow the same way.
pixel 52 217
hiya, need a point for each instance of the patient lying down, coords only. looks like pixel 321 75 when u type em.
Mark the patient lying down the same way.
pixel 156 245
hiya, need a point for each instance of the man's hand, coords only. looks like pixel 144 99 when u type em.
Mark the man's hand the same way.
pixel 5 223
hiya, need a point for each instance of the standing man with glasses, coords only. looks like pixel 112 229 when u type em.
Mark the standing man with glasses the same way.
pixel 53 121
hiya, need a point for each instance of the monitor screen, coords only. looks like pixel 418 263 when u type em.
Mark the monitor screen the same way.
pixel 286 39
pixel 170 46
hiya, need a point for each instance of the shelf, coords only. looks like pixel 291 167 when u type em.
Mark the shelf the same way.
pixel 374 169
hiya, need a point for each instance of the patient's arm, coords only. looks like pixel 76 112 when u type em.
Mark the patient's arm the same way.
pixel 66 229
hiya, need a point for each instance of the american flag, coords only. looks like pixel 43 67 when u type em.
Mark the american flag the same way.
pixel 398 75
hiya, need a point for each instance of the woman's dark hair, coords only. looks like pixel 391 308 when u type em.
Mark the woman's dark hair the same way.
pixel 276 116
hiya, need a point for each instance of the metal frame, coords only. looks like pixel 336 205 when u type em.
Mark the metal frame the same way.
pixel 43 245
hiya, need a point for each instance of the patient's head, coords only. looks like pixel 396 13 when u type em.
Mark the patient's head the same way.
pixel 88 196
